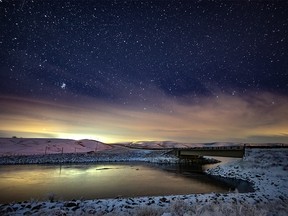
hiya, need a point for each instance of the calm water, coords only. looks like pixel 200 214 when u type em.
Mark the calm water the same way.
pixel 26 182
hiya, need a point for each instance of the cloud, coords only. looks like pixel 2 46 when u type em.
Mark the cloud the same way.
pixel 269 139
pixel 254 117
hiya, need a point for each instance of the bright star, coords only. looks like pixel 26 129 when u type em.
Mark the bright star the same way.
pixel 63 86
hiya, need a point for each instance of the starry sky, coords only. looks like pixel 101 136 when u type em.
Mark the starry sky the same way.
pixel 117 71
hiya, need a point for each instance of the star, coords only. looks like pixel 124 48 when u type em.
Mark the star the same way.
pixel 210 63
pixel 63 86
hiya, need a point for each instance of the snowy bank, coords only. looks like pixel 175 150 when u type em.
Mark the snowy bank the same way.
pixel 153 156
pixel 265 168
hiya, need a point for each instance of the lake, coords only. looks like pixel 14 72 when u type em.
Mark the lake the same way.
pixel 107 180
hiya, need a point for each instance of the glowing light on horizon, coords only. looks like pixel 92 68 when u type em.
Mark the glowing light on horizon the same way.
pixel 232 119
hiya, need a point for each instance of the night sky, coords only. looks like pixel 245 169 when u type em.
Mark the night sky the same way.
pixel 187 71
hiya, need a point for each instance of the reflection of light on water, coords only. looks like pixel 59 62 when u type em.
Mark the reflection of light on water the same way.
pixel 96 181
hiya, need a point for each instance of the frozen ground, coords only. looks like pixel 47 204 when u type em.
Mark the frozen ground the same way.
pixel 267 169
pixel 40 146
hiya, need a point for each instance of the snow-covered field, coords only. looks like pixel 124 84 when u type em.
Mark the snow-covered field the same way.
pixel 267 169
pixel 116 154
pixel 40 146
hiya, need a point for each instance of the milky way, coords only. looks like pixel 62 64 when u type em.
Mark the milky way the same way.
pixel 192 71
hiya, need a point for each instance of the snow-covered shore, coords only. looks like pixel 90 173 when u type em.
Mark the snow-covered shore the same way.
pixel 153 156
pixel 265 168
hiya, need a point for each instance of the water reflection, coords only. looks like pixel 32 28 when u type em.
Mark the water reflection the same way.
pixel 24 182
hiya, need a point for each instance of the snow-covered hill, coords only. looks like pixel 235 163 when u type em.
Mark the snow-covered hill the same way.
pixel 32 146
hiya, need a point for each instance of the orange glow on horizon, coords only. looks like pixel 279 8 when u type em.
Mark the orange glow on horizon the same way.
pixel 227 118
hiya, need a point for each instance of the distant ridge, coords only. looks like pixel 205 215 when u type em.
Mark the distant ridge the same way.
pixel 171 144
